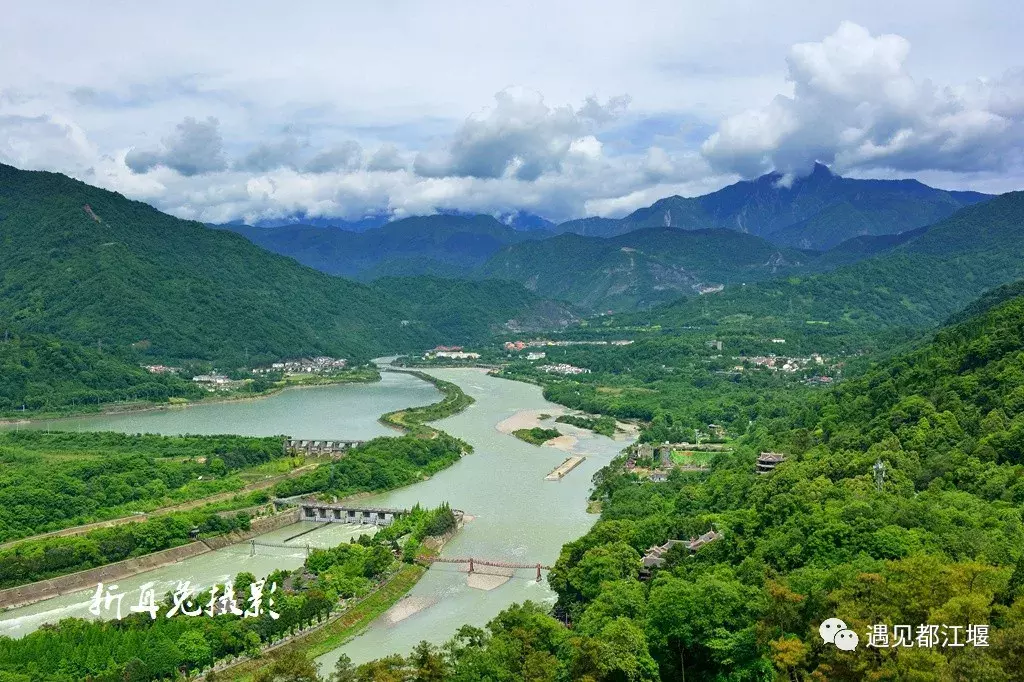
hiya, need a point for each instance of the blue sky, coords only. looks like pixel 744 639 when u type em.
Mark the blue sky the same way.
pixel 230 110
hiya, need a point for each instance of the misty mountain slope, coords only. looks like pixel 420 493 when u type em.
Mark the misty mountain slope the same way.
pixel 641 268
pixel 93 267
pixel 437 244
pixel 917 283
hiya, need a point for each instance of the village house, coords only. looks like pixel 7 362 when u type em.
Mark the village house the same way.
pixel 537 355
pixel 161 369
pixel 658 476
pixel 215 379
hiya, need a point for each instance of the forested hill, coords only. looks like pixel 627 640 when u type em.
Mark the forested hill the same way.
pixel 941 542
pixel 422 245
pixel 918 283
pixel 39 372
pixel 91 266
pixel 640 268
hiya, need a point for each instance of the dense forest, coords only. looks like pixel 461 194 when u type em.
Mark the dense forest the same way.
pixel 92 267
pixel 43 373
pixel 50 481
pixel 917 284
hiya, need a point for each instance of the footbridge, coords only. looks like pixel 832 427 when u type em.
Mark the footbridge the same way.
pixel 473 562
pixel 319 446
pixel 253 544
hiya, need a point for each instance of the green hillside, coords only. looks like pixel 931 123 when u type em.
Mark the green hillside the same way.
pixel 40 372
pixel 918 283
pixel 641 268
pixel 941 541
pixel 93 267
pixel 462 311
pixel 449 245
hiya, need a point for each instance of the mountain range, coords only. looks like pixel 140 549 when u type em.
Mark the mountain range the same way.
pixel 919 280
pixel 451 245
pixel 817 211
pixel 91 267
pixel 832 220
pixel 641 268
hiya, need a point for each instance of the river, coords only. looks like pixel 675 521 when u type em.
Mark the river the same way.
pixel 517 515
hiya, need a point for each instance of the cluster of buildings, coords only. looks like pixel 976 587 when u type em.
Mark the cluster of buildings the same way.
pixel 322 364
pixel 450 352
pixel 655 556
pixel 161 369
pixel 780 363
pixel 522 345
pixel 563 368
pixel 215 382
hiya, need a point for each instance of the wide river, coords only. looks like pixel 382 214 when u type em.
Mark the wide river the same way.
pixel 517 515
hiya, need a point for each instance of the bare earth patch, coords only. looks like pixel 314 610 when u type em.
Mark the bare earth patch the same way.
pixel 488 577
pixel 566 443
pixel 407 607
pixel 526 419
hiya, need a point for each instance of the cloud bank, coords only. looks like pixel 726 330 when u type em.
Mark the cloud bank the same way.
pixel 855 105
pixel 217 146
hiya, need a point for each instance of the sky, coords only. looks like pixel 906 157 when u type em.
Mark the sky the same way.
pixel 261 110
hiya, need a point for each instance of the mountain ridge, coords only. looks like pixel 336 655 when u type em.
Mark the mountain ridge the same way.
pixel 90 266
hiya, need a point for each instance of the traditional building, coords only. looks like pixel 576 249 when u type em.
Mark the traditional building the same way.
pixel 767 461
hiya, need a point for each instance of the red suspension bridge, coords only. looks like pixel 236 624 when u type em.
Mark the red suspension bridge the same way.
pixel 474 562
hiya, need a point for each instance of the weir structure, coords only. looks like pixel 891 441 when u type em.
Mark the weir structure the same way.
pixel 319 446
pixel 327 512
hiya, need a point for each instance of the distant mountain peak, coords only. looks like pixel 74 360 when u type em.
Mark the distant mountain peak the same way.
pixel 821 170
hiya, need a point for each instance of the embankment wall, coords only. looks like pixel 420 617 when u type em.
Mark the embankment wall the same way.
pixel 24 595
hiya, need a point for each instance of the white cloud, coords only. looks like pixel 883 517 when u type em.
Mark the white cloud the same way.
pixel 243 116
pixel 855 105
pixel 195 147
pixel 346 156
pixel 520 136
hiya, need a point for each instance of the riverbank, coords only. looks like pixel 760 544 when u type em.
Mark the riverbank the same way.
pixel 388 601
pixel 503 486
pixel 170 509
pixel 333 633
pixel 115 409
pixel 453 401
pixel 31 593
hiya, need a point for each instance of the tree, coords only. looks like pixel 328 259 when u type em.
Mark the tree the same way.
pixel 344 671
pixel 428 663
pixel 195 650
pixel 291 666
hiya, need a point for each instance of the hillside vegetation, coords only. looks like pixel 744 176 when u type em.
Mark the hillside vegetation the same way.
pixel 90 266
pixel 641 268
pixel 941 541
pixel 918 283
pixel 40 372
pixel 421 245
